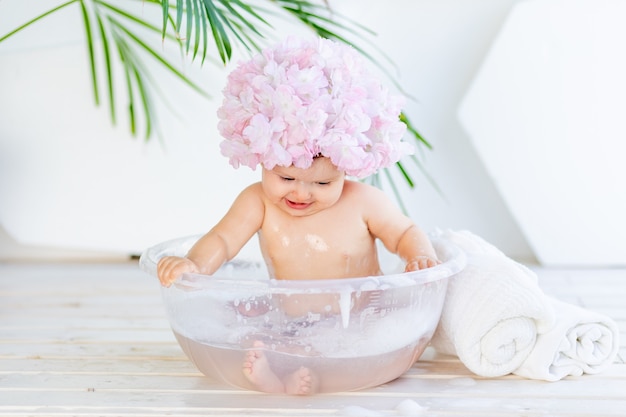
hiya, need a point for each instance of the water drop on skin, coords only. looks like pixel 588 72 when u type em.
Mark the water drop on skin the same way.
pixel 316 243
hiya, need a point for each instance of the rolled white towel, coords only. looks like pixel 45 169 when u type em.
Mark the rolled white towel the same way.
pixel 493 310
pixel 581 341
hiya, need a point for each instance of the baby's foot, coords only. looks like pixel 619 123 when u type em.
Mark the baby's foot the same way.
pixel 258 371
pixel 301 382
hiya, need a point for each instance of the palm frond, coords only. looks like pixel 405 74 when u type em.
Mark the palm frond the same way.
pixel 395 190
pixel 36 19
pixel 165 12
pixel 109 69
pixel 416 134
pixel 179 13
pixel 231 24
pixel 123 52
pixel 90 50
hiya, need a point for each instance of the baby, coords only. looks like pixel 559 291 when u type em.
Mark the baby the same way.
pixel 310 115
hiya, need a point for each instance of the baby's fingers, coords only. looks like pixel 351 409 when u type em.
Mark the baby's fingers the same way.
pixel 421 262
pixel 170 268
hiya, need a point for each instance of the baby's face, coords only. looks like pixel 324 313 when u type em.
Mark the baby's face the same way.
pixel 302 192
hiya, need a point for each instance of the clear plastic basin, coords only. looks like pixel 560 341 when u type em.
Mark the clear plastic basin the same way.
pixel 346 334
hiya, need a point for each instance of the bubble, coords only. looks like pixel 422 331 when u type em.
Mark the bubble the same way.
pixel 409 408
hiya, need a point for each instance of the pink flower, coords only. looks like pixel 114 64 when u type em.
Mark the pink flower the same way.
pixel 303 98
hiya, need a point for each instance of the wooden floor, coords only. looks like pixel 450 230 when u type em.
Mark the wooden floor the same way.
pixel 93 340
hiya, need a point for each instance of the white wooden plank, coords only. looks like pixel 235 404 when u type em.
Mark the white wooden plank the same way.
pixel 104 365
pixel 225 403
pixel 83 336
pixel 587 387
pixel 130 349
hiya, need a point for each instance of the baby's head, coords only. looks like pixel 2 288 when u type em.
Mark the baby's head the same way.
pixel 306 98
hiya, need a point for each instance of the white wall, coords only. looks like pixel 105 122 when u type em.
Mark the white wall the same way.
pixel 69 180
pixel 546 115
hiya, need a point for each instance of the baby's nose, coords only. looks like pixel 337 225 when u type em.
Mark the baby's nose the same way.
pixel 302 190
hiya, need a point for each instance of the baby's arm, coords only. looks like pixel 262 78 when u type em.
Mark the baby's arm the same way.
pixel 397 232
pixel 415 248
pixel 221 243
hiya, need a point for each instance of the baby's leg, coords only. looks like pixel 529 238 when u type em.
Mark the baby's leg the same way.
pixel 257 369
pixel 252 308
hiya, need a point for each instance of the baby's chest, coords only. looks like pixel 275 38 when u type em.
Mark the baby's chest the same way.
pixel 297 241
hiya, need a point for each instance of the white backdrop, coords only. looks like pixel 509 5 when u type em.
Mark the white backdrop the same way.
pixel 70 180
pixel 546 114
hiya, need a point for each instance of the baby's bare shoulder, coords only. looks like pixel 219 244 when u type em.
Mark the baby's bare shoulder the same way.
pixel 250 197
pixel 375 205
pixel 253 188
pixel 252 191
pixel 362 192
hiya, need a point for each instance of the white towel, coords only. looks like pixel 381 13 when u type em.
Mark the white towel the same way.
pixel 498 321
pixel 493 309
pixel 581 341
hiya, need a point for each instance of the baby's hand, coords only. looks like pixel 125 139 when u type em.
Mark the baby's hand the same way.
pixel 171 267
pixel 421 262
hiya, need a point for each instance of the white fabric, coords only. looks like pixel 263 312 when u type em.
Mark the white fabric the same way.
pixel 493 310
pixel 497 320
pixel 581 341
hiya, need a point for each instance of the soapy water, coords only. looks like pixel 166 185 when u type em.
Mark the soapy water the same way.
pixel 376 333
pixel 225 364
pixel 337 325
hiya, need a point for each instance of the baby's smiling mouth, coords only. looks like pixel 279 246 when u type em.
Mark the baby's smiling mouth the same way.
pixel 296 205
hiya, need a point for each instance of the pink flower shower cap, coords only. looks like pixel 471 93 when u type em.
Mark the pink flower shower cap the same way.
pixel 301 99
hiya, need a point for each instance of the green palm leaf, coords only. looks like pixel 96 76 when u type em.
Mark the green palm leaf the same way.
pixel 90 48
pixel 109 70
